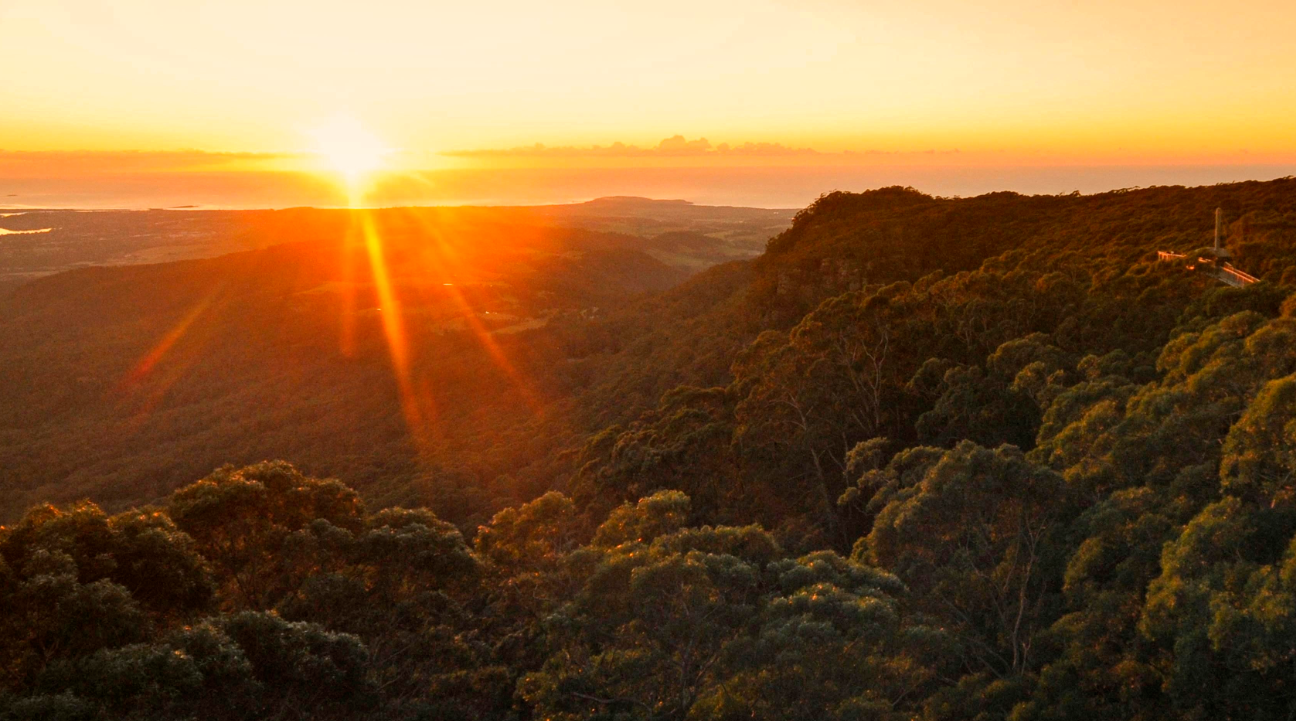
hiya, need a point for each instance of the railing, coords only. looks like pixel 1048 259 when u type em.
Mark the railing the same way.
pixel 1241 277
pixel 1225 272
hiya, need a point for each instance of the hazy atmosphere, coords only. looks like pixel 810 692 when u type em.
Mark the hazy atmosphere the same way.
pixel 141 104
pixel 674 361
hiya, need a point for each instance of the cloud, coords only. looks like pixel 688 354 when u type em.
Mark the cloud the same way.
pixel 61 163
pixel 676 146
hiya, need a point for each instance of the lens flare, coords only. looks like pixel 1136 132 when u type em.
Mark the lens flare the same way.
pixel 146 384
pixel 350 150
pixel 393 325
pixel 436 240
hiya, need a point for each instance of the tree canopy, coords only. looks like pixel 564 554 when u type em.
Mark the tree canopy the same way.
pixel 926 458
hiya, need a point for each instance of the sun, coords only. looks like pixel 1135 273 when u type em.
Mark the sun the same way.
pixel 348 148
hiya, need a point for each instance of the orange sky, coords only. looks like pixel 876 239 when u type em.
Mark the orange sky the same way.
pixel 459 87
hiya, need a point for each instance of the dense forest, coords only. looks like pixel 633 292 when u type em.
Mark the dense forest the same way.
pixel 123 383
pixel 925 458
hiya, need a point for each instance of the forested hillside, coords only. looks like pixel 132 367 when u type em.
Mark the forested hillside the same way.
pixel 124 383
pixel 37 243
pixel 932 458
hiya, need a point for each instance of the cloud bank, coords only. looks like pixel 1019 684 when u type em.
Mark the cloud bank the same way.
pixel 676 146
pixel 74 163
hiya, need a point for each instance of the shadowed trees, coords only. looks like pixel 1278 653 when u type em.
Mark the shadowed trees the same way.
pixel 1054 482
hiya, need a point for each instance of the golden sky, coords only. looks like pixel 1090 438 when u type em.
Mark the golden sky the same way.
pixel 780 84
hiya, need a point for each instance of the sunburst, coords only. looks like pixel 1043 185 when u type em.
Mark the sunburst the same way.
pixel 349 149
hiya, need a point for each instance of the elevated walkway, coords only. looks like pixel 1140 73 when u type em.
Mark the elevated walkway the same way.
pixel 1211 261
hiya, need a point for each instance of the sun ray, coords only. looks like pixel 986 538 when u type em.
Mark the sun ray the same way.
pixel 159 350
pixel 347 321
pixel 147 382
pixel 393 324
pixel 473 322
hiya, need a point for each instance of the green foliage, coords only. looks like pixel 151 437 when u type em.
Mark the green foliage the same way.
pixel 657 515
pixel 977 534
pixel 1259 456
pixel 1063 473
pixel 241 519
pixel 720 623
pixel 536 535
